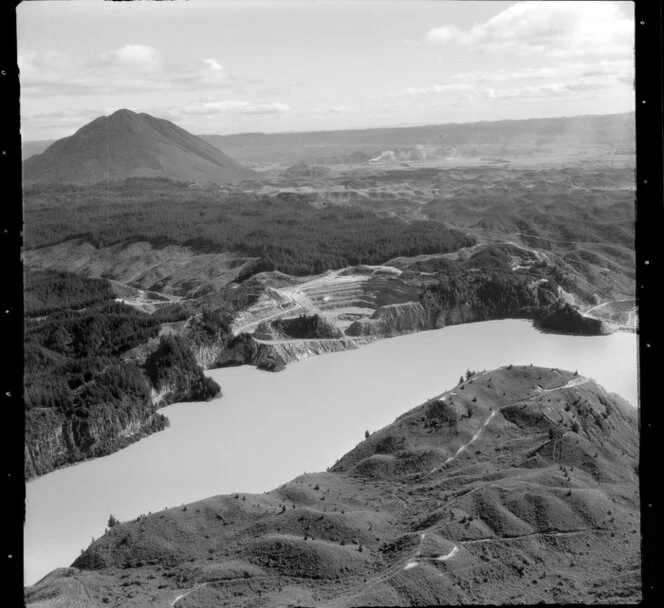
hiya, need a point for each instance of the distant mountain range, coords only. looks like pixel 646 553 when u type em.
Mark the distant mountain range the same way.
pixel 126 144
pixel 604 134
pixel 141 145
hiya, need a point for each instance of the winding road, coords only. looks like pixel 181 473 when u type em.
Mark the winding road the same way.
pixel 415 559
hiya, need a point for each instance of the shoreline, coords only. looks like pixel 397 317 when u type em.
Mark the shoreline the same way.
pixel 363 341
pixel 227 442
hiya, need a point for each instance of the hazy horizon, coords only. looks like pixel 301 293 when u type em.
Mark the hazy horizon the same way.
pixel 409 126
pixel 293 67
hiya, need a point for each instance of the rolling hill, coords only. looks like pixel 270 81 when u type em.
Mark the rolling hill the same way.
pixel 126 144
pixel 518 485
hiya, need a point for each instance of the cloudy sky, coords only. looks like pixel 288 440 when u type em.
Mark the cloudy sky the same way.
pixel 230 67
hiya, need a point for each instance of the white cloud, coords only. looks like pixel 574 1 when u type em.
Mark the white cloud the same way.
pixel 619 69
pixel 502 75
pixel 322 111
pixel 65 122
pixel 545 90
pixel 445 34
pixel 214 65
pixel 557 29
pixel 132 54
pixel 569 79
pixel 267 108
pixel 341 109
pixel 39 71
pixel 130 68
pixel 438 88
pixel 60 123
pixel 212 108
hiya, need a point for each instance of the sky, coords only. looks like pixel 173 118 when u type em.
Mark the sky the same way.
pixel 222 67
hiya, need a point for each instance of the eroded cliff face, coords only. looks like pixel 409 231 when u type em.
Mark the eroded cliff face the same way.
pixel 396 319
pixel 457 315
pixel 270 350
pixel 45 443
pixel 391 320
pixel 208 355
pixel 565 318
pixel 53 440
pixel 274 355
pixel 159 397
pixel 285 352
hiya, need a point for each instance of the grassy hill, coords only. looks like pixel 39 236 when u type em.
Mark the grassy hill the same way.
pixel 519 485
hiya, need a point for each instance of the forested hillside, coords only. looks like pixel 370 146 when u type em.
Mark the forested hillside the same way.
pixel 485 286
pixel 49 292
pixel 82 397
pixel 287 233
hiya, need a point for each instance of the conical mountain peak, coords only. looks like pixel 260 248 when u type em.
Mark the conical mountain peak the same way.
pixel 128 144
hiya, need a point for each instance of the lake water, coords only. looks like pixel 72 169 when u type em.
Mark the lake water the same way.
pixel 269 428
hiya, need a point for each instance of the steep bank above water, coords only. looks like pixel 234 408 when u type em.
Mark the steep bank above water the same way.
pixel 115 417
pixel 272 354
pixel 568 319
pixel 275 355
pixel 53 440
pixel 392 320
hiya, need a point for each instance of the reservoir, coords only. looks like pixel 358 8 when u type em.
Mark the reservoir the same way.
pixel 270 427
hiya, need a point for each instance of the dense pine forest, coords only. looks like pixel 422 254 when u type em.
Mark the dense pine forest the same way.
pixel 47 292
pixel 486 287
pixel 77 375
pixel 286 232
pixel 77 346
pixel 171 365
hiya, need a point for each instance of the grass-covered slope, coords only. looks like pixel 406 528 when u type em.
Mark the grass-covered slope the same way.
pixel 517 485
